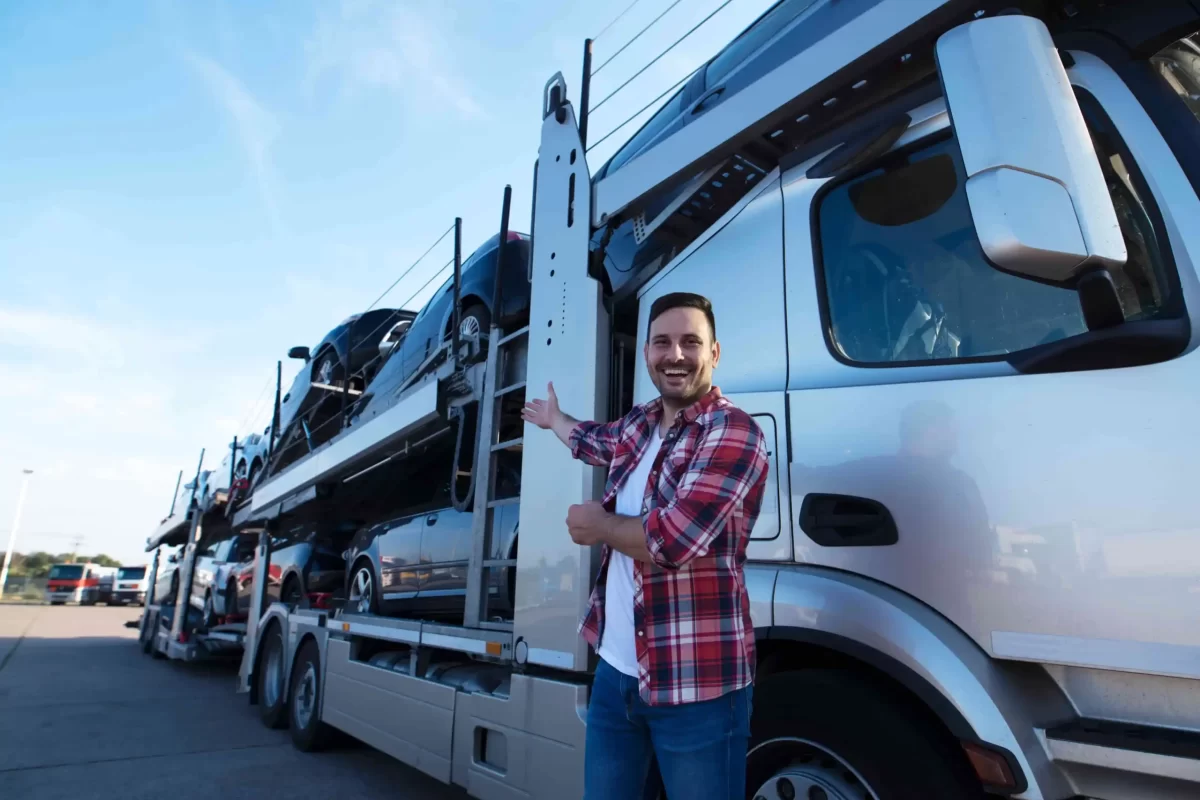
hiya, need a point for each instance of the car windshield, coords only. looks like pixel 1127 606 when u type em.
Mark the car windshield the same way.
pixel 70 572
pixel 131 573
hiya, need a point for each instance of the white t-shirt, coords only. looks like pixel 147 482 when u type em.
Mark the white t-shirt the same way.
pixel 618 645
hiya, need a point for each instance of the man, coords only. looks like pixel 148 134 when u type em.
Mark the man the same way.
pixel 670 616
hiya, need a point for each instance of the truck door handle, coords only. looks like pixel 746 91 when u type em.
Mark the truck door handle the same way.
pixel 838 520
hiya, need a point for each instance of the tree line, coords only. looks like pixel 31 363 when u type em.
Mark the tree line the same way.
pixel 37 565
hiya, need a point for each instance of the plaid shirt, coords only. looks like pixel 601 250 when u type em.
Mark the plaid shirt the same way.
pixel 691 610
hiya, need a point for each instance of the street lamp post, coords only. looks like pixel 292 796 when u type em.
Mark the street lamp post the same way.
pixel 12 534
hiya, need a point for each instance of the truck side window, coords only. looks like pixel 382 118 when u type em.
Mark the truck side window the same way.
pixel 905 280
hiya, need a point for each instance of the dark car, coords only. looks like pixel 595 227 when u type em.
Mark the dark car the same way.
pixel 305 562
pixel 307 411
pixel 764 45
pixel 433 325
pixel 416 564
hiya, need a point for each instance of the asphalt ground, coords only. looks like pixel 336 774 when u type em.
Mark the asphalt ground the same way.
pixel 84 713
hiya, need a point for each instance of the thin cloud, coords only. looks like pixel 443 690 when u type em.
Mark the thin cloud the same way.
pixel 256 127
pixel 389 47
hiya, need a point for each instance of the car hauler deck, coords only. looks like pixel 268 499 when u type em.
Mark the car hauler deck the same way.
pixel 1019 624
pixel 174 628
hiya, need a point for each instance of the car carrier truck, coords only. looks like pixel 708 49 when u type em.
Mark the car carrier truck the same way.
pixel 951 249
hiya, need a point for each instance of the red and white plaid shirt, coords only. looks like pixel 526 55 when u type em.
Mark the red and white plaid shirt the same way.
pixel 691 610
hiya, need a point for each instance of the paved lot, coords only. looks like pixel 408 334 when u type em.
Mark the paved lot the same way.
pixel 83 713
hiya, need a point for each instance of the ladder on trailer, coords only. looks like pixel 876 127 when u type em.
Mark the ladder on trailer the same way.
pixel 503 381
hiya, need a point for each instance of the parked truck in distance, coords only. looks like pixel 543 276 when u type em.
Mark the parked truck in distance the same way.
pixel 84 583
pixel 129 586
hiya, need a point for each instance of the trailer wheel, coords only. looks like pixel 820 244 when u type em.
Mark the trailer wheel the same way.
pixel 309 733
pixel 834 735
pixel 272 702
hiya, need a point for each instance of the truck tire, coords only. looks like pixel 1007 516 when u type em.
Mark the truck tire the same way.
pixel 272 699
pixel 309 733
pixel 837 735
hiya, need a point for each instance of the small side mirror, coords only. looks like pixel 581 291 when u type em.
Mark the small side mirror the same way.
pixel 173 558
pixel 1037 196
pixel 300 352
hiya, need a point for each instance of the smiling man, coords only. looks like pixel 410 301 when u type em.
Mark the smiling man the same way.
pixel 670 616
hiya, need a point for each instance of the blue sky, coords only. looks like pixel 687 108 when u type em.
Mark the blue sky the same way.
pixel 191 188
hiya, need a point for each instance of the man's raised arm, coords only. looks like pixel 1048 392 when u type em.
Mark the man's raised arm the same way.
pixel 591 442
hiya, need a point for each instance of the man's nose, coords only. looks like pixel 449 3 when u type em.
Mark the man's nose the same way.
pixel 674 352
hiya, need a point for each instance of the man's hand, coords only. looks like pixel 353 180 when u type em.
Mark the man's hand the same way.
pixel 547 415
pixel 542 413
pixel 589 524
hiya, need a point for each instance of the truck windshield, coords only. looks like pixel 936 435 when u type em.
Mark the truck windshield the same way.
pixel 131 573
pixel 1179 66
pixel 66 572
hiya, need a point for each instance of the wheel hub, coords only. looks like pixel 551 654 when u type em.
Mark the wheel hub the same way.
pixel 468 327
pixel 360 591
pixel 306 696
pixel 809 772
pixel 273 683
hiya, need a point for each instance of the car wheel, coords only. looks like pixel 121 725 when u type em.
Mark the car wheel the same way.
pixel 835 735
pixel 174 591
pixel 309 733
pixel 363 597
pixel 475 320
pixel 326 369
pixel 255 466
pixel 231 598
pixel 272 702
pixel 208 613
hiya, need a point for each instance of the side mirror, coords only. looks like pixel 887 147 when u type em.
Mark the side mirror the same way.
pixel 300 352
pixel 173 558
pixel 1038 199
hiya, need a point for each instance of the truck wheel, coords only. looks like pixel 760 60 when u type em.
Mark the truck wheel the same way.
pixel 834 735
pixel 272 702
pixel 309 733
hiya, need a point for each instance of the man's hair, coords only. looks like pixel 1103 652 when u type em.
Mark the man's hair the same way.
pixel 682 300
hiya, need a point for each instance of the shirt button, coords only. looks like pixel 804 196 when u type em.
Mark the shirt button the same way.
pixel 640 633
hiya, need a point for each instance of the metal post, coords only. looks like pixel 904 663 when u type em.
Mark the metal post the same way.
pixel 175 495
pixel 496 293
pixel 585 91
pixel 457 288
pixel 151 589
pixel 233 464
pixel 275 416
pixel 258 602
pixel 188 560
pixel 12 534
pixel 346 378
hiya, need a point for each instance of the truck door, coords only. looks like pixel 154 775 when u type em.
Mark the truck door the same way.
pixel 738 266
pixel 1049 513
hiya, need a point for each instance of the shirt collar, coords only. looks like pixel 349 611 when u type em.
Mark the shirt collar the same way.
pixel 654 409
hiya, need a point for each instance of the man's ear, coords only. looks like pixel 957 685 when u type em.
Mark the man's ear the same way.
pixel 716 354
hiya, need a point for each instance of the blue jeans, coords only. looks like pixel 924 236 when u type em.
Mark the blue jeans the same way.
pixel 700 748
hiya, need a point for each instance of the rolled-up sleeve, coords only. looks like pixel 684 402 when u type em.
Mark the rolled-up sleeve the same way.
pixel 595 442
pixel 730 461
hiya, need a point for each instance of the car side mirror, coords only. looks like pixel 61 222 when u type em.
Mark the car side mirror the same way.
pixel 300 352
pixel 1038 199
pixel 173 558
